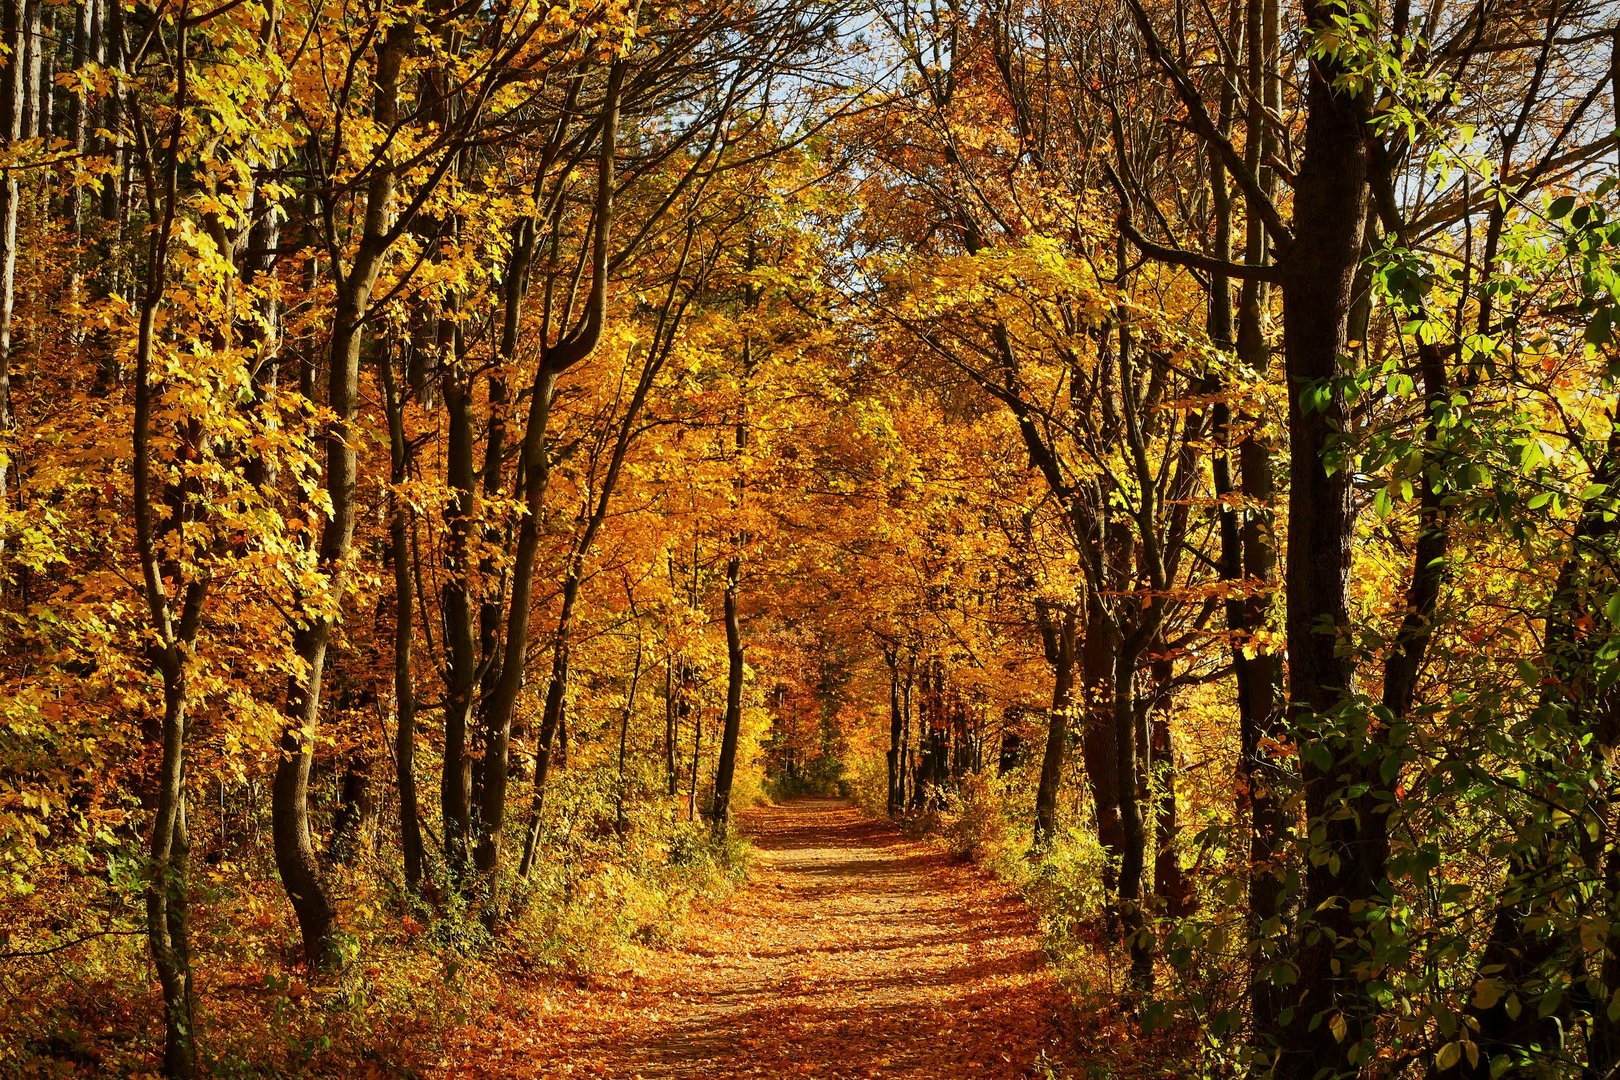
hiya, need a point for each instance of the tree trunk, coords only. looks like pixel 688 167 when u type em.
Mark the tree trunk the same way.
pixel 295 849
pixel 731 728
pixel 1248 552
pixel 551 721
pixel 1133 847
pixel 11 113
pixel 697 752
pixel 175 632
pixel 461 662
pixel 1099 745
pixel 1169 880
pixel 500 700
pixel 896 724
pixel 1062 657
pixel 30 64
pixel 166 893
pixel 498 708
pixel 1318 274
pixel 620 823
pixel 410 815
pixel 671 728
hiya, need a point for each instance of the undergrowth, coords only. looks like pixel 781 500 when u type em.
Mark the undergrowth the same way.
pixel 414 973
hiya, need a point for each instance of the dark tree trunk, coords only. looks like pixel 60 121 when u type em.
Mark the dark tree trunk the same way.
pixel 1061 640
pixel 731 728
pixel 672 734
pixel 1012 745
pixel 908 789
pixel 1133 847
pixel 1248 552
pixel 410 815
pixel 461 662
pixel 1169 880
pixel 1318 275
pixel 621 824
pixel 399 557
pixel 167 901
pixel 31 66
pixel 1099 744
pixel 896 732
pixel 697 753
pixel 551 724
pixel 499 703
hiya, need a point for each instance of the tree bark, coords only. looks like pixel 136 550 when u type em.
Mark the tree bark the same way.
pixel 731 727
pixel 1169 880
pixel 620 822
pixel 296 858
pixel 499 704
pixel 1318 274
pixel 1133 846
pixel 11 118
pixel 1061 655
pixel 1099 744
pixel 461 662
pixel 896 724
pixel 399 555
pixel 1248 553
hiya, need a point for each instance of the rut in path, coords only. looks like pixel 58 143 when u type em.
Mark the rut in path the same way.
pixel 852 952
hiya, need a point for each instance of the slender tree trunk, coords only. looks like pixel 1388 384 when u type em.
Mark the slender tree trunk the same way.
pixel 1061 654
pixel 410 815
pixel 399 555
pixel 500 702
pixel 1248 553
pixel 78 129
pixel 896 724
pixel 175 632
pixel 908 793
pixel 460 676
pixel 1170 881
pixel 45 77
pixel 620 823
pixel 551 720
pixel 697 753
pixel 31 66
pixel 671 727
pixel 11 117
pixel 1100 743
pixel 166 895
pixel 732 725
pixel 1133 848
pixel 294 846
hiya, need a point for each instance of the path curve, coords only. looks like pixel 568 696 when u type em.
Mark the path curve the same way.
pixel 852 952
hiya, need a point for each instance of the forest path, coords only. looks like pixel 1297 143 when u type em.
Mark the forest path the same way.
pixel 852 952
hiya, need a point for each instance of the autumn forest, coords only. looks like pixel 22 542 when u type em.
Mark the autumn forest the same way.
pixel 865 538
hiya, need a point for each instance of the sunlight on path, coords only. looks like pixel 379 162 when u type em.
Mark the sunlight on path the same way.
pixel 853 952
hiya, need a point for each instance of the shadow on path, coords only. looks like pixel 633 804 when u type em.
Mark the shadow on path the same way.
pixel 853 952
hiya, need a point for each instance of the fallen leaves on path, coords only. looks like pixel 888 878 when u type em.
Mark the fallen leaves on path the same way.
pixel 853 952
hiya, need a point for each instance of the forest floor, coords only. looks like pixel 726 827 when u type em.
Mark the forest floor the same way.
pixel 852 951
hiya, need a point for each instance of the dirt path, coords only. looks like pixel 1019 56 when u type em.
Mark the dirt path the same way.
pixel 852 952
